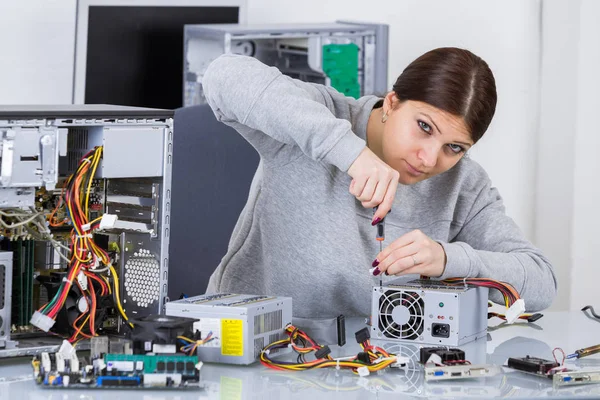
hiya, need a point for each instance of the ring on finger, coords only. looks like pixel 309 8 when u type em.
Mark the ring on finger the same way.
pixel 414 260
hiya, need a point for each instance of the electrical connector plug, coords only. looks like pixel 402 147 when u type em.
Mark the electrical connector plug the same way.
pixel 513 313
pixel 341 330
pixel 364 358
pixel 108 221
pixel 363 335
pixel 363 371
pixel 400 362
pixel 42 321
pixel 534 317
pixel 322 352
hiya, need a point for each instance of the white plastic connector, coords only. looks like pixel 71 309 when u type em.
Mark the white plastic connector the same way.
pixel 363 371
pixel 108 221
pixel 66 349
pixel 400 362
pixel 42 321
pixel 515 311
pixel 434 359
pixel 83 280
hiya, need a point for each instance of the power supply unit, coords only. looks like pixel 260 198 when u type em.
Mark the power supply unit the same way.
pixel 240 325
pixel 429 311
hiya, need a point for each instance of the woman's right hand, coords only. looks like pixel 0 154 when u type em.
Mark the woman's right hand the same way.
pixel 374 183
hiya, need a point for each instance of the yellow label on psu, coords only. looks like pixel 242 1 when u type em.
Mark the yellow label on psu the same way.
pixel 232 337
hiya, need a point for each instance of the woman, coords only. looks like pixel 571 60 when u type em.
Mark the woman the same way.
pixel 301 234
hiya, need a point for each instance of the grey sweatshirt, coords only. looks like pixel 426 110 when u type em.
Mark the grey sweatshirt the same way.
pixel 303 235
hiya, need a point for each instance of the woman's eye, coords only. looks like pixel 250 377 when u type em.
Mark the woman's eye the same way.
pixel 424 126
pixel 456 148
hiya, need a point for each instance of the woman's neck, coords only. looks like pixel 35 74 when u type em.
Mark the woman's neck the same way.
pixel 375 132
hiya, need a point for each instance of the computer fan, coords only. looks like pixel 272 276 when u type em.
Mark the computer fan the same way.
pixel 158 333
pixel 428 311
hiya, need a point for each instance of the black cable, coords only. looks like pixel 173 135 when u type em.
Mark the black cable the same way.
pixel 591 309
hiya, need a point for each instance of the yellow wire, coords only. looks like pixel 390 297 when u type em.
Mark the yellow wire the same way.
pixel 95 162
pixel 107 283
pixel 116 282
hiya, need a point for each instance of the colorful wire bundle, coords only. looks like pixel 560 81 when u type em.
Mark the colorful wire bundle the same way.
pixel 376 358
pixel 87 257
pixel 191 345
pixel 509 293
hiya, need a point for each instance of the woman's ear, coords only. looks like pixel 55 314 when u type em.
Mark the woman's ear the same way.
pixel 390 101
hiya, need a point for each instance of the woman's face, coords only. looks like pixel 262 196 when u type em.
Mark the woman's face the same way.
pixel 421 141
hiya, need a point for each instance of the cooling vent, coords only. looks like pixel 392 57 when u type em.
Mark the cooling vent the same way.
pixel 259 344
pixel 77 143
pixel 412 378
pixel 268 322
pixel 401 314
pixel 142 272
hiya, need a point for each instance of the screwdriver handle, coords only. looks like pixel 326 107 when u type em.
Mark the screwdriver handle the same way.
pixel 380 236
pixel 588 351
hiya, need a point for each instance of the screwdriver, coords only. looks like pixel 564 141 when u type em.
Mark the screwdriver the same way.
pixel 380 237
pixel 587 351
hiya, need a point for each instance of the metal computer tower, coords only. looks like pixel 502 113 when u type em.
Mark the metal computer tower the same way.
pixel 351 57
pixel 40 147
pixel 429 312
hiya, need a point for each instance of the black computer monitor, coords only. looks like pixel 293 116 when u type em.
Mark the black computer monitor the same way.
pixel 130 52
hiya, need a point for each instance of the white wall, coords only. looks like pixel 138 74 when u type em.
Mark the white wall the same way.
pixel 37 38
pixel 585 273
pixel 556 151
pixel 566 212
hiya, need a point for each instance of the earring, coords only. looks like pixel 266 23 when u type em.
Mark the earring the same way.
pixel 384 117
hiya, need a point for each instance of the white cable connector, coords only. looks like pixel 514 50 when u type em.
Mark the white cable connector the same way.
pixel 434 359
pixel 363 371
pixel 66 349
pixel 83 280
pixel 400 362
pixel 515 311
pixel 42 321
pixel 108 221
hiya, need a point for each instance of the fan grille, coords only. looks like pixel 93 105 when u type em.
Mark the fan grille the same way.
pixel 401 314
pixel 142 273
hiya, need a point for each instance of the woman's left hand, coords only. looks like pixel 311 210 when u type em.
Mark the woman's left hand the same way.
pixel 412 253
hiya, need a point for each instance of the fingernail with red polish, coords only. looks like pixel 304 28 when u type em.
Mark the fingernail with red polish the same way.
pixel 375 263
pixel 375 221
pixel 376 271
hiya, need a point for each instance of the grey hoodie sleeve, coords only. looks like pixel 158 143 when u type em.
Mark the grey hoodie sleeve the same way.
pixel 507 257
pixel 256 100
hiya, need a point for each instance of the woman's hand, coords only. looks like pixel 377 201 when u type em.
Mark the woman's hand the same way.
pixel 374 183
pixel 412 253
